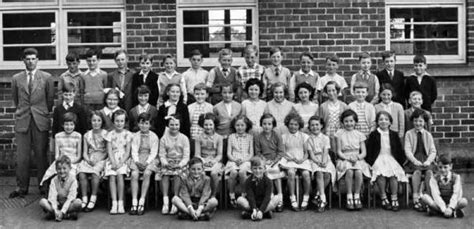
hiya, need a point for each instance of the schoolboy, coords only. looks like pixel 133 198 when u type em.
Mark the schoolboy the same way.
pixel 196 109
pixel 275 72
pixel 415 100
pixel 392 76
pixel 226 110
pixel 251 70
pixel 364 75
pixel 195 74
pixel 365 110
pixel 221 75
pixel 69 105
pixel 423 82
pixel 72 75
pixel 121 79
pixel 95 81
pixel 143 106
pixel 332 65
pixel 145 77
pixel 305 74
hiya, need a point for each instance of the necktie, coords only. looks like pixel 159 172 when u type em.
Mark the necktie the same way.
pixel 225 71
pixel 277 72
pixel 445 179
pixel 419 142
pixel 30 81
pixel 390 73
pixel 122 77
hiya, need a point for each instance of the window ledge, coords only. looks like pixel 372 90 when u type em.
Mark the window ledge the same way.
pixel 441 70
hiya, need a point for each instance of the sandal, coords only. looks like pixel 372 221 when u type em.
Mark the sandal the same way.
pixel 386 204
pixel 316 200
pixel 357 204
pixel 141 210
pixel 395 205
pixel 322 206
pixel 294 205
pixel 418 206
pixel 233 202
pixel 304 205
pixel 350 204
pixel 90 206
pixel 133 211
pixel 279 207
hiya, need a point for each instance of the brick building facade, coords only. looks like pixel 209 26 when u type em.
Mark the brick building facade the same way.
pixel 323 27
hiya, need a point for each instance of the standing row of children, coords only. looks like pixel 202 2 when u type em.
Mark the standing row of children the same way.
pixel 287 135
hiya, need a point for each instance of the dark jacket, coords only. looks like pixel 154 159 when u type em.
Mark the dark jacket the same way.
pixel 398 84
pixel 373 147
pixel 427 88
pixel 182 110
pixel 151 83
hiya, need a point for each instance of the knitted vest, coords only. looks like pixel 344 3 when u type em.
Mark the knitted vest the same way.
pixel 446 190
pixel 164 81
pixel 221 80
pixel 370 82
pixel 311 80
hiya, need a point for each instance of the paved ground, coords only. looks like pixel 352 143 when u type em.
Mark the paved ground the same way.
pixel 26 213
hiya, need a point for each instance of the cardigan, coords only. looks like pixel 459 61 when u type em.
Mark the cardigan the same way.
pixel 369 113
pixel 216 79
pixel 398 116
pixel 372 83
pixel 259 193
pixel 133 117
pixel 324 111
pixel 411 141
pixel 373 147
pixel 182 110
pixel 190 189
pixel 428 89
pixel 136 144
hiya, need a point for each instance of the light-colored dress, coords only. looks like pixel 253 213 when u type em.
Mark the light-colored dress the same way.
pixel 350 145
pixel 119 142
pixel 208 145
pixel 306 111
pixel 279 111
pixel 385 165
pixel 241 148
pixel 67 145
pixel 361 124
pixel 174 150
pixel 97 149
pixel 317 144
pixel 293 145
pixel 254 111
pixel 144 149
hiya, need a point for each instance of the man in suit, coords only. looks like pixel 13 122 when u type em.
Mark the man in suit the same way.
pixel 33 97
pixel 122 80
pixel 393 77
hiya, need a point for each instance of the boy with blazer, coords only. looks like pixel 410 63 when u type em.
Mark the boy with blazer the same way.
pixel 145 77
pixel 33 97
pixel 393 77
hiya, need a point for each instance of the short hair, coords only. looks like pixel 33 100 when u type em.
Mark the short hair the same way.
pixel 196 52
pixel 294 116
pixel 306 86
pixel 225 52
pixel 420 58
pixel 68 87
pixel 348 113
pixel 268 115
pixel 358 85
pixel 169 56
pixel 256 161
pixel 69 117
pixel 208 116
pixel 145 57
pixel 445 159
pixel 94 52
pixel 275 50
pixel 279 84
pixel 99 114
pixel 251 48
pixel 248 123
pixel 225 85
pixel 316 118
pixel 308 54
pixel 387 86
pixel 63 160
pixel 168 88
pixel 380 113
pixel 364 55
pixel 333 58
pixel 30 51
pixel 119 112
pixel 109 92
pixel 388 53
pixel 72 56
pixel 419 113
pixel 143 89
pixel 144 117
pixel 336 85
pixel 200 87
pixel 254 81
pixel 120 51
pixel 195 160
pixel 413 93
pixel 173 117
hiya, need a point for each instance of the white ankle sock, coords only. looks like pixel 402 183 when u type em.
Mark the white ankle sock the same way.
pixel 93 198
pixel 141 201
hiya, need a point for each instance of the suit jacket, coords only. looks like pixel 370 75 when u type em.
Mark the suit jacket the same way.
pixel 220 111
pixel 398 84
pixel 37 104
pixel 373 147
pixel 113 80
pixel 58 119
pixel 150 82
pixel 427 88
pixel 133 118
pixel 182 110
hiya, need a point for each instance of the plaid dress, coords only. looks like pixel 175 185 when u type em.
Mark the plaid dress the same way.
pixel 195 110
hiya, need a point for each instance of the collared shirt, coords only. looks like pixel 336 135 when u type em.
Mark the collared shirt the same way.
pixel 108 112
pixel 193 188
pixel 241 146
pixel 144 74
pixel 228 107
pixel 68 105
pixel 32 74
pixel 250 72
pixel 143 109
pixel 192 77
pixel 195 110
pixel 92 73
pixel 418 77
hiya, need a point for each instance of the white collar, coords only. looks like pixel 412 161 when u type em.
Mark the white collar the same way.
pixel 144 73
pixel 169 103
pixel 108 111
pixel 32 72
pixel 144 107
pixel 169 76
pixel 311 73
pixel 71 104
pixel 92 73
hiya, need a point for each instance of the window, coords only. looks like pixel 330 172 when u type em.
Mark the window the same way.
pixel 56 27
pixel 221 24
pixel 433 28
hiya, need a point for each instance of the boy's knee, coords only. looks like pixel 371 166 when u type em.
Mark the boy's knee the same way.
pixel 305 175
pixel 242 202
pixel 291 173
pixel 135 175
pixel 417 173
pixel 462 203
pixel 147 173
pixel 176 200
pixel 233 173
pixel 44 203
pixel 212 202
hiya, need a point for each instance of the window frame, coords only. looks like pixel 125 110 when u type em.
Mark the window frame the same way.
pixel 61 8
pixel 460 58
pixel 221 5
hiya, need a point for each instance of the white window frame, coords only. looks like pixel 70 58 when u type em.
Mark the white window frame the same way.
pixel 61 8
pixel 217 5
pixel 460 58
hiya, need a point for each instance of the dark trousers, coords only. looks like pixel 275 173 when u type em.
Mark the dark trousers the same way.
pixel 33 143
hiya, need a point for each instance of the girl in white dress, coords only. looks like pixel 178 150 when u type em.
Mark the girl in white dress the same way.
pixel 253 107
pixel 305 107
pixel 296 159
pixel 317 147
pixel 351 164
pixel 385 154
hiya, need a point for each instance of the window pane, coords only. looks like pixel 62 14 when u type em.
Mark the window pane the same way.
pixel 200 17
pixel 212 50
pixel 436 31
pixel 27 1
pixel 107 51
pixel 426 14
pixel 93 35
pixel 14 53
pixel 93 19
pixel 237 33
pixel 426 47
pixel 29 37
pixel 217 17
pixel 93 1
pixel 28 20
